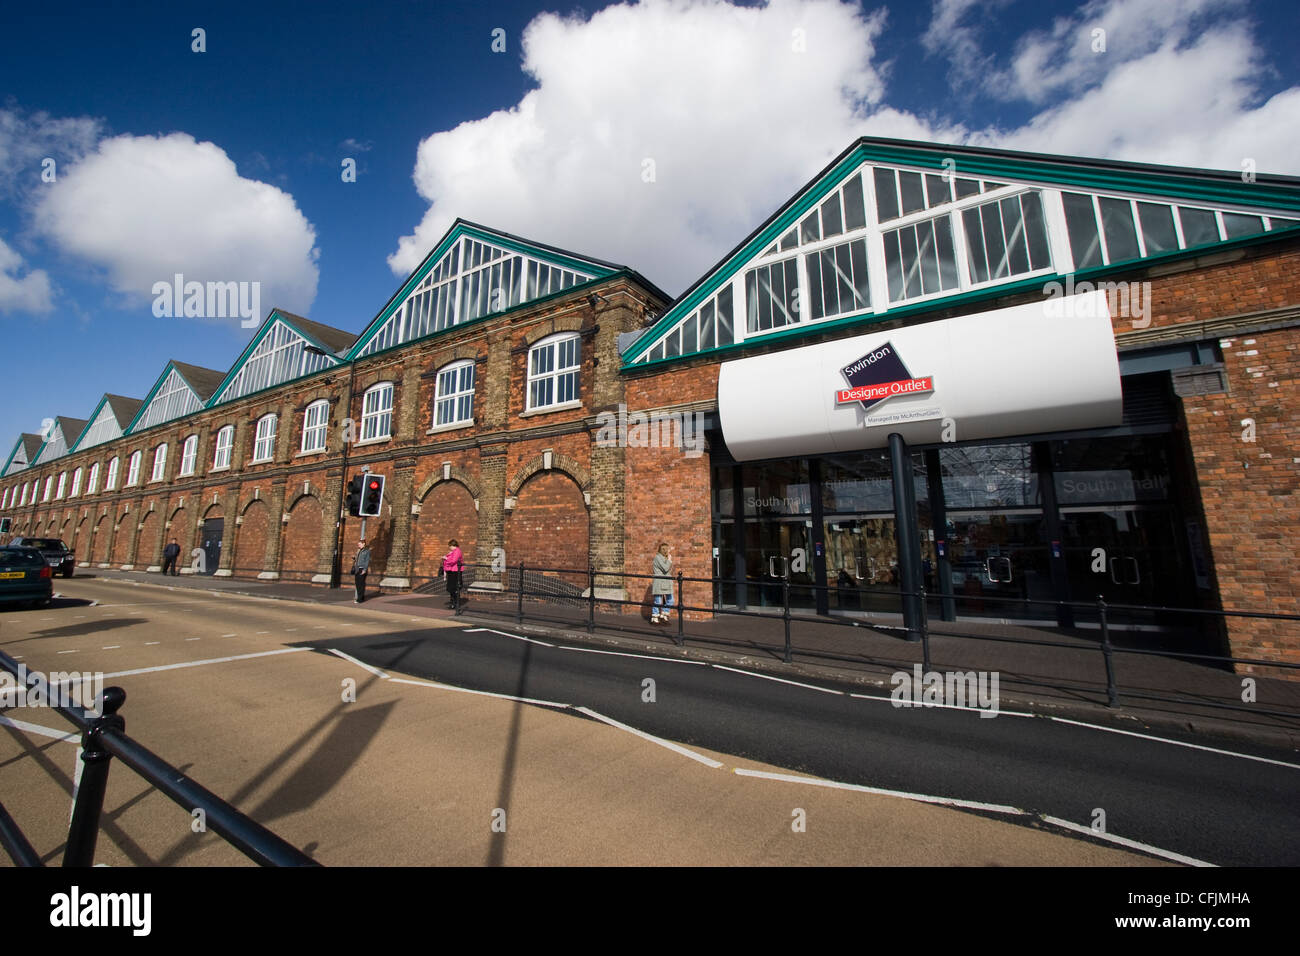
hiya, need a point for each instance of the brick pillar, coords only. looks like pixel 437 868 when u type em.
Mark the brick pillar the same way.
pixel 161 535
pixel 274 532
pixel 203 451
pixel 397 573
pixel 230 530
pixel 239 453
pixel 491 503
pixel 133 529
pixel 606 517
pixel 407 429
pixel 284 444
pixel 331 504
pixel 109 530
pixel 495 382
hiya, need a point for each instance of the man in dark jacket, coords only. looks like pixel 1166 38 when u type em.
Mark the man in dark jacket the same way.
pixel 170 554
pixel 360 567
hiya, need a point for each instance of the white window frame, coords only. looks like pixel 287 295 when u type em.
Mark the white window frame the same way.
pixel 189 455
pixel 133 469
pixel 452 399
pixel 315 434
pixel 374 414
pixel 49 486
pixel 553 343
pixel 5 503
pixel 92 480
pixel 63 484
pixel 24 495
pixel 159 463
pixel 225 442
pixel 76 483
pixel 264 441
pixel 114 467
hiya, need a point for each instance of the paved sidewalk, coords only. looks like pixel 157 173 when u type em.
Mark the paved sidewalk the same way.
pixel 1067 681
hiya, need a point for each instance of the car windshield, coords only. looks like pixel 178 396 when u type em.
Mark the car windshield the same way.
pixel 19 558
pixel 46 544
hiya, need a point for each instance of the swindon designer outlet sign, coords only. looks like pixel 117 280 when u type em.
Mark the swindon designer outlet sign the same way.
pixel 877 377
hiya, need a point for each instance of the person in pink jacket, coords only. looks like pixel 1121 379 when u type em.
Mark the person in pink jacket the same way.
pixel 452 566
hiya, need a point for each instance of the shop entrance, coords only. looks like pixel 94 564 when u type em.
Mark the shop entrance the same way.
pixel 998 562
pixel 212 531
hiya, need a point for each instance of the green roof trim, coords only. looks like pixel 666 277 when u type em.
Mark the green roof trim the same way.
pixel 90 421
pixel 275 316
pixel 144 406
pixel 462 228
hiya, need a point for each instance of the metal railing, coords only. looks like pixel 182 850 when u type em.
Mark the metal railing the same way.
pixel 104 737
pixel 508 588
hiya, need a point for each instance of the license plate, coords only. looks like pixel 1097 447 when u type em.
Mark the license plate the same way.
pixel 13 574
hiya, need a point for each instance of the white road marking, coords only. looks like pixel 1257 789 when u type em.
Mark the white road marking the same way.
pixel 318 627
pixel 919 797
pixel 263 632
pixel 40 731
pixel 677 748
pixel 73 651
pixel 223 635
pixel 479 693
pixel 939 706
pixel 362 664
pixel 291 629
pixel 779 680
pixel 199 638
pixel 110 647
pixel 517 637
pixel 1178 743
pixel 211 660
pixel 648 657
pixel 1121 841
pixel 148 643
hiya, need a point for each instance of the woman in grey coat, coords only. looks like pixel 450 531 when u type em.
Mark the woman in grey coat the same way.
pixel 662 589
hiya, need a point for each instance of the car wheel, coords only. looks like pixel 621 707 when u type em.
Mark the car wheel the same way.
pixel 67 572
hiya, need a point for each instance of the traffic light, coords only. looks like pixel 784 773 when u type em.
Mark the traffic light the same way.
pixel 373 496
pixel 354 494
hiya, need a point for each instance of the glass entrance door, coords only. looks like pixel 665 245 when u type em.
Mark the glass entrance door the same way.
pixel 1128 554
pixel 999 562
pixel 775 547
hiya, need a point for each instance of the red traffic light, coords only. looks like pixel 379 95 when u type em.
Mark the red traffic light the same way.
pixel 373 484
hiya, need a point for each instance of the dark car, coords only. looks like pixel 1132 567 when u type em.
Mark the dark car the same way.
pixel 25 576
pixel 56 553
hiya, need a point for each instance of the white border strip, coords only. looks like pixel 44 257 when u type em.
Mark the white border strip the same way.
pixel 1177 743
pixel 1121 841
pixel 677 748
pixel 212 660
pixel 40 730
pixel 919 797
pixel 644 657
pixel 480 693
pixel 517 637
pixel 779 680
pixel 364 666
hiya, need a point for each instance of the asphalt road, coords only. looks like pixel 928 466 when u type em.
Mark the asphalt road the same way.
pixel 1218 808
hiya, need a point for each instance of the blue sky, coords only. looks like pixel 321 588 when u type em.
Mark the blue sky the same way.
pixel 226 164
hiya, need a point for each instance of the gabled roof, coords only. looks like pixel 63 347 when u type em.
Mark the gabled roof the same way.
pixel 447 264
pixel 58 441
pixel 124 408
pixel 263 359
pixel 115 411
pixel 200 382
pixel 204 381
pixel 28 445
pixel 1211 192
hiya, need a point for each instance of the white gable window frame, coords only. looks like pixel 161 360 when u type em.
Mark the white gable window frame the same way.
pixel 63 484
pixel 92 481
pixel 453 402
pixel 133 470
pixel 110 480
pixel 264 442
pixel 279 357
pixel 159 463
pixel 189 455
pixel 173 399
pixel 377 413
pixel 225 442
pixel 76 483
pixel 103 428
pixel 315 425
pixel 554 372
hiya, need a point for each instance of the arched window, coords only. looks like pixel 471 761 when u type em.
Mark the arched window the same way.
pixel 76 484
pixel 63 483
pixel 189 453
pixel 453 401
pixel 133 470
pixel 159 462
pixel 264 444
pixel 314 423
pixel 110 481
pixel 49 485
pixel 553 367
pixel 225 441
pixel 377 412
pixel 92 483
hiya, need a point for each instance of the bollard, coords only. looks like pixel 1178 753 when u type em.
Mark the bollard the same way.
pixel 591 599
pixel 1112 692
pixel 785 614
pixel 681 613
pixel 519 611
pixel 84 829
pixel 925 632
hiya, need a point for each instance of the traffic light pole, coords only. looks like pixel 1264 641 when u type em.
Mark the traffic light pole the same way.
pixel 336 565
pixel 365 470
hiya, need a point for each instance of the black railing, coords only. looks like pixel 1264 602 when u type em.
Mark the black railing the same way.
pixel 104 737
pixel 506 581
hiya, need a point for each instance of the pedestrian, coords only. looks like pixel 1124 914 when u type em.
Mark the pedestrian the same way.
pixel 662 589
pixel 360 567
pixel 452 565
pixel 170 554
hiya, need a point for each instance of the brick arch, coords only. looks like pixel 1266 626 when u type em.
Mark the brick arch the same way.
pixel 147 539
pixel 83 543
pixel 212 511
pixel 178 527
pixel 448 513
pixel 243 509
pixel 549 525
pixel 123 534
pixel 561 323
pixel 300 544
pixel 100 535
pixel 293 503
pixel 250 539
pixel 464 352
pixel 561 463
pixel 456 474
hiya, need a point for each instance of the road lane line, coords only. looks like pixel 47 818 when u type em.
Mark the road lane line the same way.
pixel 226 635
pixel 362 664
pixel 110 647
pixel 678 748
pixel 210 660
pixel 68 652
pixel 978 710
pixel 148 643
pixel 647 657
pixel 40 731
pixel 1178 743
pixel 1121 841
pixel 481 693
pixel 517 637
pixel 779 680
pixel 919 797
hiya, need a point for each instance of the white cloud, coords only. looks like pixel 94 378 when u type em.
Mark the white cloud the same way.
pixel 716 96
pixel 27 140
pixel 31 293
pixel 735 120
pixel 144 208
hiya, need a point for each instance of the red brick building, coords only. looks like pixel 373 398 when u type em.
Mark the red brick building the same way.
pixel 1158 470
